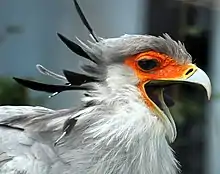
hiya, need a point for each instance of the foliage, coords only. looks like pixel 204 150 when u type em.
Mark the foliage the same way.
pixel 11 93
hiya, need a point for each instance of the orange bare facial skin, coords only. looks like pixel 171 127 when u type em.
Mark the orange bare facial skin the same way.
pixel 167 69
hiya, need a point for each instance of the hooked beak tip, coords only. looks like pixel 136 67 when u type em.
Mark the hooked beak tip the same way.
pixel 201 78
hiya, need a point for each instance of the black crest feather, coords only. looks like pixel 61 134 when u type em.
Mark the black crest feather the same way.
pixel 77 78
pixel 74 80
pixel 84 20
pixel 74 47
pixel 47 87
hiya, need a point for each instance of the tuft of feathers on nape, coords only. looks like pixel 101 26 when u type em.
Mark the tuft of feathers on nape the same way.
pixel 72 80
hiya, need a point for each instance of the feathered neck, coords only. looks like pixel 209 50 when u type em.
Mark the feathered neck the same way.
pixel 125 136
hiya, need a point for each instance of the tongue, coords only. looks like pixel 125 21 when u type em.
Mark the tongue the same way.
pixel 167 99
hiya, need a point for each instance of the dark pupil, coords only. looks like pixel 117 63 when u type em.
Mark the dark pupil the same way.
pixel 147 64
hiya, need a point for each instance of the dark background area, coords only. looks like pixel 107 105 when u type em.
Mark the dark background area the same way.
pixel 183 22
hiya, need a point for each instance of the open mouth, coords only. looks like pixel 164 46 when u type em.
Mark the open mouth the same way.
pixel 159 100
pixel 153 92
pixel 158 93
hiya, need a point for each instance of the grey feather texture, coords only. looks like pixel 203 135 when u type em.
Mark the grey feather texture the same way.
pixel 114 51
pixel 115 132
pixel 117 49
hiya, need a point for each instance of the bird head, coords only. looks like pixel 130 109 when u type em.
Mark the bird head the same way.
pixel 149 64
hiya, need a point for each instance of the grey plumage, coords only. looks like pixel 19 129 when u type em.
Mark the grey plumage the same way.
pixel 114 50
pixel 115 96
pixel 111 132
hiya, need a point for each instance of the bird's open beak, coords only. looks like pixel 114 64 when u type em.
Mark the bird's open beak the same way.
pixel 198 77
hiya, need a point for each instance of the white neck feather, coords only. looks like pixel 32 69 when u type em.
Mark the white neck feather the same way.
pixel 125 137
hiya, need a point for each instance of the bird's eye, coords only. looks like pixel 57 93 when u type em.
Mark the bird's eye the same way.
pixel 147 64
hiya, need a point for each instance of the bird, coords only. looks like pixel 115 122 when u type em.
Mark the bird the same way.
pixel 123 124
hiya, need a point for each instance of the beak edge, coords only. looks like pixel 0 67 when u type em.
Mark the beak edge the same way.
pixel 200 78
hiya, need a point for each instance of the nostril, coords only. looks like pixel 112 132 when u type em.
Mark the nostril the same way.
pixel 189 71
